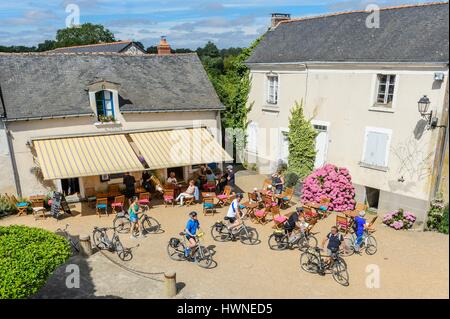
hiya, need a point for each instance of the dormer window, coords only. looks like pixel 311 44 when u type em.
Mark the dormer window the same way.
pixel 105 106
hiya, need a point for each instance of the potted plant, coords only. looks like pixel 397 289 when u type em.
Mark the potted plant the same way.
pixel 399 219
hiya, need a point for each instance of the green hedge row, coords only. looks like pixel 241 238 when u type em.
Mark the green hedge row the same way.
pixel 27 257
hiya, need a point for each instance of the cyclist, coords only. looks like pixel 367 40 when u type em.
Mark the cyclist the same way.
pixel 133 212
pixel 234 213
pixel 360 226
pixel 191 229
pixel 292 221
pixel 335 239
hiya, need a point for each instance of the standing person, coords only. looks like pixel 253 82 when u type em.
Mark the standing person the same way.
pixel 360 226
pixel 223 181
pixel 335 239
pixel 234 213
pixel 191 230
pixel 188 193
pixel 133 211
pixel 129 182
pixel 231 177
pixel 278 182
pixel 146 181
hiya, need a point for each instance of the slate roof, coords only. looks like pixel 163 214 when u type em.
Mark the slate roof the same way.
pixel 116 47
pixel 414 33
pixel 48 85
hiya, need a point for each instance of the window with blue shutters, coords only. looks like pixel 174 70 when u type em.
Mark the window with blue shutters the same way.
pixel 105 105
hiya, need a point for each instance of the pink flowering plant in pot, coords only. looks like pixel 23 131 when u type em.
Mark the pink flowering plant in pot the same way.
pixel 399 219
pixel 332 186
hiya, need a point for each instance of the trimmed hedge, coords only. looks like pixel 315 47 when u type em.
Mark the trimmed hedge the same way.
pixel 27 258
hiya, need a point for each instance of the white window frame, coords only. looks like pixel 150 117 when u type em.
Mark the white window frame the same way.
pixel 386 131
pixel 327 124
pixel 385 103
pixel 268 87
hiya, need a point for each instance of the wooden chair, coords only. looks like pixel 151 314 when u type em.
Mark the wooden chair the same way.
pixel 251 205
pixel 114 189
pixel 360 206
pixel 266 183
pixel 101 205
pixel 310 214
pixel 224 196
pixel 210 186
pixel 372 224
pixel 286 200
pixel 277 218
pixel 189 200
pixel 260 216
pixel 38 209
pixel 144 199
pixel 22 206
pixel 90 195
pixel 343 224
pixel 269 202
pixel 208 206
pixel 119 204
pixel 169 197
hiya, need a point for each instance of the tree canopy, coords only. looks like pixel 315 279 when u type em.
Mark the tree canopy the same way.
pixel 87 33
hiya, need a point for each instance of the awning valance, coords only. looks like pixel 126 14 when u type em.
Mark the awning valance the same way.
pixel 86 156
pixel 181 147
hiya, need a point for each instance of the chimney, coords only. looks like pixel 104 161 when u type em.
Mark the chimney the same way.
pixel 277 18
pixel 164 47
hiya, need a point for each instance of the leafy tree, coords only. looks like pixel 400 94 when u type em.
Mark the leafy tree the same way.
pixel 302 141
pixel 46 45
pixel 87 33
pixel 210 50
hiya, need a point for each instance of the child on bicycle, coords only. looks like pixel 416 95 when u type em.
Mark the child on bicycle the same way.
pixel 133 212
pixel 191 229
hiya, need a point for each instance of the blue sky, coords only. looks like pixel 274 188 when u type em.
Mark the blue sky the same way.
pixel 186 23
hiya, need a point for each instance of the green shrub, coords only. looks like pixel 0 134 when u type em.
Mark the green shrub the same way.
pixel 438 217
pixel 7 207
pixel 27 257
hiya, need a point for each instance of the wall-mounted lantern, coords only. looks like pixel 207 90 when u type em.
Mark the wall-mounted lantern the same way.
pixel 423 106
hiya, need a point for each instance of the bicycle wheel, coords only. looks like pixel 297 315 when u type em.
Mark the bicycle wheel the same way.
pixel 123 253
pixel 151 225
pixel 349 247
pixel 306 242
pixel 277 242
pixel 177 253
pixel 220 233
pixel 309 262
pixel 340 272
pixel 248 236
pixel 203 257
pixel 122 224
pixel 97 237
pixel 371 245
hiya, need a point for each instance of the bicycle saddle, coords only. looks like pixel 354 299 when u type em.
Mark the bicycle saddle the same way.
pixel 182 233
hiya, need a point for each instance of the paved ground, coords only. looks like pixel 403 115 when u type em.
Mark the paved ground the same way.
pixel 411 264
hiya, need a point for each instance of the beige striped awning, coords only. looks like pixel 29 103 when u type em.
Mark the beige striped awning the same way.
pixel 86 156
pixel 172 148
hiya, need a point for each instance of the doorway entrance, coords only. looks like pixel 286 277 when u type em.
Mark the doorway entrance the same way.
pixel 70 186
pixel 179 172
pixel 372 197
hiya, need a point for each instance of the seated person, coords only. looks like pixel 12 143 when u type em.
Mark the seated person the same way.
pixel 172 179
pixel 257 195
pixel 189 193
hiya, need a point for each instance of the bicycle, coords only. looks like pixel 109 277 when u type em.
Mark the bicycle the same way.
pixel 311 261
pixel 102 242
pixel 221 232
pixel 123 225
pixel 73 243
pixel 369 243
pixel 280 240
pixel 176 249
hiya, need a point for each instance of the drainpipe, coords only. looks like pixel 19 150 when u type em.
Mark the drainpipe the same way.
pixel 10 147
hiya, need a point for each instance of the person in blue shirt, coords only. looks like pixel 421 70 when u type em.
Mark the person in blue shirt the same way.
pixel 360 226
pixel 192 226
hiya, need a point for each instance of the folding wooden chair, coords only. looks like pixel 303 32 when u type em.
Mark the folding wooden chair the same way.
pixel 169 197
pixel 119 204
pixel 266 183
pixel 269 202
pixel 286 200
pixel 22 206
pixel 38 209
pixel 208 206
pixel 260 216
pixel 251 205
pixel 101 206
pixel 343 224
pixel 224 196
pixel 90 196
pixel 144 199
pixel 371 224
pixel 277 218
pixel 210 186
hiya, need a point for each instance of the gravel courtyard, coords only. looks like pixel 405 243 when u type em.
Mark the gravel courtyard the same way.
pixel 412 264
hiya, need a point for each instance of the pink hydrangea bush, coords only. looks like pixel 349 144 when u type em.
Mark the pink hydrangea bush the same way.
pixel 333 183
pixel 399 219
